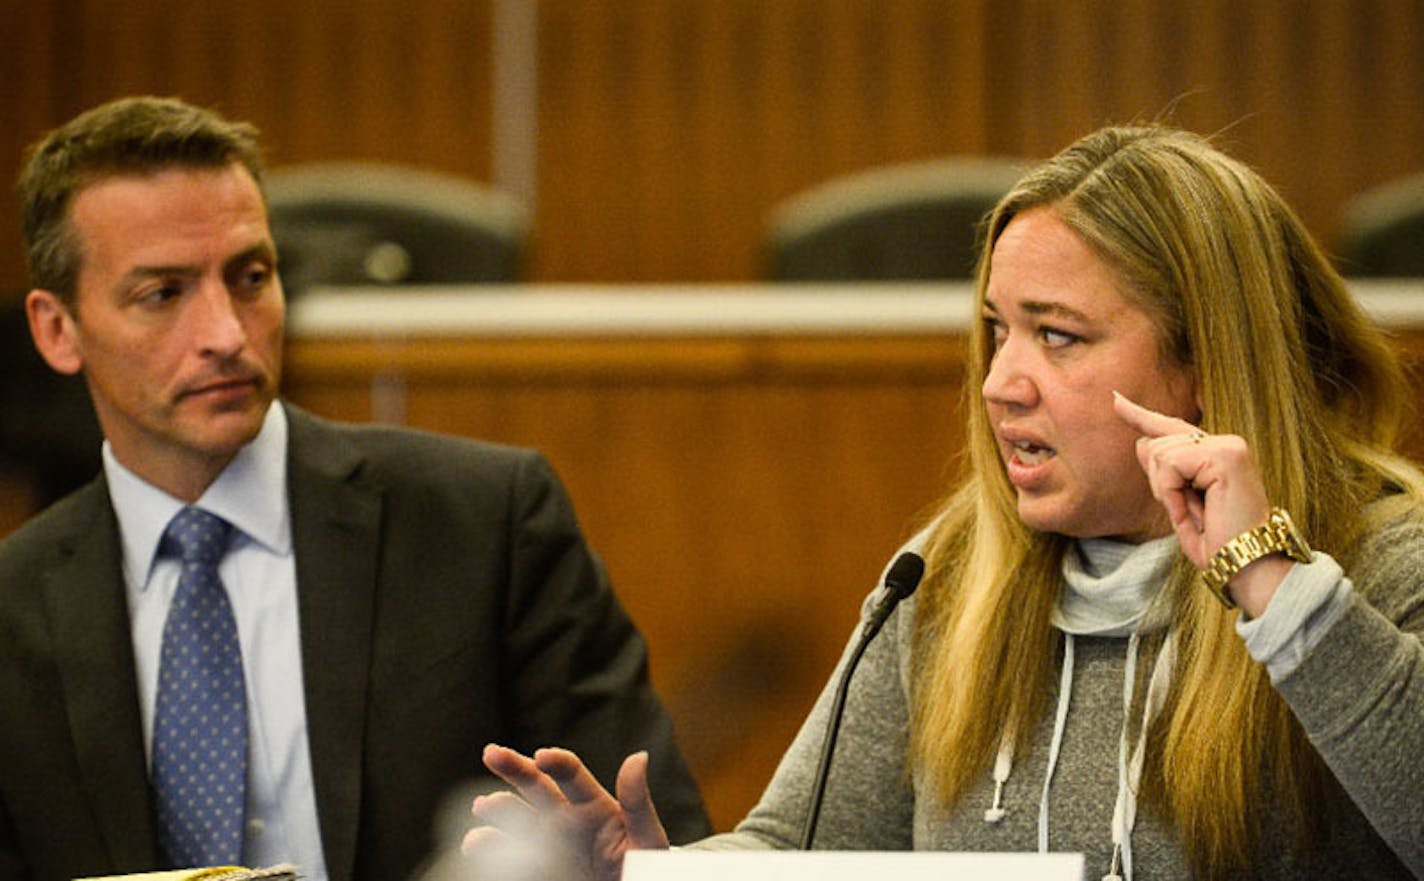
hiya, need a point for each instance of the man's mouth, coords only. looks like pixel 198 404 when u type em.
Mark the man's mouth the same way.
pixel 223 386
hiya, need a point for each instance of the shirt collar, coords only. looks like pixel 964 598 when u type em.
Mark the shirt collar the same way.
pixel 250 493
pixel 1109 586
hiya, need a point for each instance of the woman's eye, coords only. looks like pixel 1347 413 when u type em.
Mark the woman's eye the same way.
pixel 996 331
pixel 1055 339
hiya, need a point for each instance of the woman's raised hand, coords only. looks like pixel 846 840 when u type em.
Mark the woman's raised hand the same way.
pixel 559 822
pixel 1212 491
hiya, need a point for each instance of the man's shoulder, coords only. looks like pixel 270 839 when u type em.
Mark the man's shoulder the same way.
pixel 60 525
pixel 392 449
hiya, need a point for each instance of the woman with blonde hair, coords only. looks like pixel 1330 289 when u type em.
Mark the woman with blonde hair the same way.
pixel 1171 617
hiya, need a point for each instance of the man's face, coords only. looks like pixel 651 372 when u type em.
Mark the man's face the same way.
pixel 177 321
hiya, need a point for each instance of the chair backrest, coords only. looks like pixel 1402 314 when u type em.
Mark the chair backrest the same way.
pixel 1382 231
pixel 364 223
pixel 917 221
pixel 49 434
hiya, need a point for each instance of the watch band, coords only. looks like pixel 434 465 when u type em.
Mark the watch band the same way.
pixel 1277 535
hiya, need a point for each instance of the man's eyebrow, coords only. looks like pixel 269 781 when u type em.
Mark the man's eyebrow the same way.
pixel 259 251
pixel 141 272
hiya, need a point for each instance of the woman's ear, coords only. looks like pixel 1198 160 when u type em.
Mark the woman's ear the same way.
pixel 54 330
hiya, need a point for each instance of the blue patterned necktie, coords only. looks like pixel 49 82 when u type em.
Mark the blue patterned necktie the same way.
pixel 200 721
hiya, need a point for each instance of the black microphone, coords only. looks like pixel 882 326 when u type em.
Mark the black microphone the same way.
pixel 901 581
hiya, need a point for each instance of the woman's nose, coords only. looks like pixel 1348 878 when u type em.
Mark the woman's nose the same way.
pixel 1009 380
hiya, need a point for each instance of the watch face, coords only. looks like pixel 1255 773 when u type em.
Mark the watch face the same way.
pixel 1291 541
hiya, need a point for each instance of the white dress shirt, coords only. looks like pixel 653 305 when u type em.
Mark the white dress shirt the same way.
pixel 259 574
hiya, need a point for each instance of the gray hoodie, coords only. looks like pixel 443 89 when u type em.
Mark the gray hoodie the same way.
pixel 1345 654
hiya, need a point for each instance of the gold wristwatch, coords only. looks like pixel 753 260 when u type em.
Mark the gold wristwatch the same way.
pixel 1277 535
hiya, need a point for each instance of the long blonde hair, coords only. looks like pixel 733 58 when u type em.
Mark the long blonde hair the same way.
pixel 1283 357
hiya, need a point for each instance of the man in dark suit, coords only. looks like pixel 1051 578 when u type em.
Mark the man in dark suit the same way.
pixel 397 599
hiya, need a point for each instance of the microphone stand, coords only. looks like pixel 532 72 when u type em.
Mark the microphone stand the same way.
pixel 901 581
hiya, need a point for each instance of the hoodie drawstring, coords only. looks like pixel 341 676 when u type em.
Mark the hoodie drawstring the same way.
pixel 1065 689
pixel 1125 805
pixel 1130 765
pixel 1003 764
pixel 1130 760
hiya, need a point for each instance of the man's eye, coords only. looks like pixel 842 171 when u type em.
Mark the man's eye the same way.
pixel 254 276
pixel 161 293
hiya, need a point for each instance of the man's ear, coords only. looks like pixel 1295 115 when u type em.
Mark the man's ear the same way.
pixel 54 331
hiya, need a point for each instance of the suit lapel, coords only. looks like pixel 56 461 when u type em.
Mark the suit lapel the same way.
pixel 85 601
pixel 335 533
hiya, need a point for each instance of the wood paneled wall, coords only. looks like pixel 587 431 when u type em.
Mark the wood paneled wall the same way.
pixel 404 81
pixel 667 130
pixel 743 492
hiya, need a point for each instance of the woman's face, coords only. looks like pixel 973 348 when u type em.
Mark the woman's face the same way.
pixel 1065 337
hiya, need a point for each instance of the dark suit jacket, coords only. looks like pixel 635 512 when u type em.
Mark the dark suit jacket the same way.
pixel 447 600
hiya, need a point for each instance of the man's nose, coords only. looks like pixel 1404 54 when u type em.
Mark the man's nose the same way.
pixel 214 320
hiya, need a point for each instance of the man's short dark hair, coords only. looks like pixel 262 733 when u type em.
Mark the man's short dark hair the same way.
pixel 130 136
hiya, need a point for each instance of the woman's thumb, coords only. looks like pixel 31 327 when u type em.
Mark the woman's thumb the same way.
pixel 645 830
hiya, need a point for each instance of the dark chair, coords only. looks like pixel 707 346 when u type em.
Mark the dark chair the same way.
pixel 377 224
pixel 48 431
pixel 918 221
pixel 1382 231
